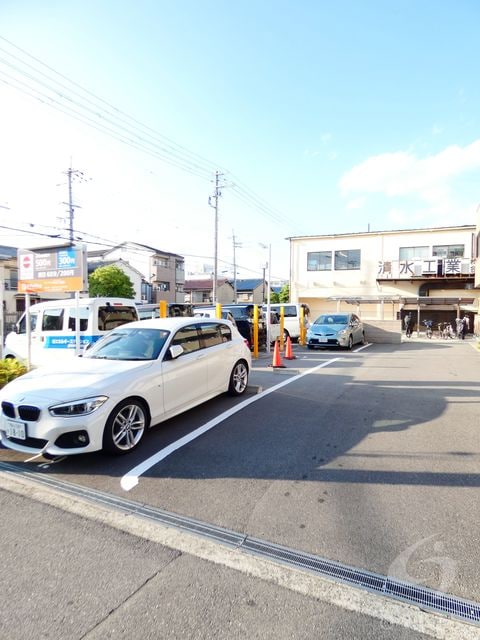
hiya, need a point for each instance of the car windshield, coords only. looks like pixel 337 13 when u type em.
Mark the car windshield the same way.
pixel 331 319
pixel 129 344
pixel 239 313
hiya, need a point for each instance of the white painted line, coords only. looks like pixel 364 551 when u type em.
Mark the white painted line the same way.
pixel 130 479
pixel 364 346
pixel 39 455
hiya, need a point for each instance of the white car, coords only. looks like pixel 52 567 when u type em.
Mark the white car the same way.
pixel 136 376
pixel 211 312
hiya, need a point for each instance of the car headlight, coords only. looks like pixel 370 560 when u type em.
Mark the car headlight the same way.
pixel 342 332
pixel 77 407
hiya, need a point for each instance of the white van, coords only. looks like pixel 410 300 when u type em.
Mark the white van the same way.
pixel 53 327
pixel 291 316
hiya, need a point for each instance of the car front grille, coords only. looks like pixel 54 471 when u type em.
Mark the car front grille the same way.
pixel 28 413
pixel 25 411
pixel 8 409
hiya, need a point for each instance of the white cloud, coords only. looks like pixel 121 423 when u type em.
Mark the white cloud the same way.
pixel 311 154
pixel 357 203
pixel 403 174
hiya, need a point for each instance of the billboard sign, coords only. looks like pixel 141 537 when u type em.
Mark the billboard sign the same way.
pixel 52 270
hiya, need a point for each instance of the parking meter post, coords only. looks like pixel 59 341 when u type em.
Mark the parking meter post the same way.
pixel 218 311
pixel 282 325
pixel 163 308
pixel 255 331
pixel 29 331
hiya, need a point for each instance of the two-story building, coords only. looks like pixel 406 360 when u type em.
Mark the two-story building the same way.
pixel 164 272
pixel 384 274
pixel 200 291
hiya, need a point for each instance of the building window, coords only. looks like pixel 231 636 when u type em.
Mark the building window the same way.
pixel 163 286
pixel 449 250
pixel 319 261
pixel 410 253
pixel 349 259
pixel 160 262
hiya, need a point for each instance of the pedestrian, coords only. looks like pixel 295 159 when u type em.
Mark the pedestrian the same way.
pixel 459 327
pixel 464 327
pixel 408 324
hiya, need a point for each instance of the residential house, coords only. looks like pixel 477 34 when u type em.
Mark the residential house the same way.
pixel 201 291
pixel 251 290
pixel 164 271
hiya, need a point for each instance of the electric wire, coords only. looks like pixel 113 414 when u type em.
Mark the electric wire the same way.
pixel 116 110
pixel 55 104
pixel 202 170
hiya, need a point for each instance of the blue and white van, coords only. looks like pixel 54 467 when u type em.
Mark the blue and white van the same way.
pixel 53 330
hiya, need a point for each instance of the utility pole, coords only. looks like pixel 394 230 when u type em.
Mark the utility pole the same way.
pixel 215 197
pixel 72 174
pixel 236 245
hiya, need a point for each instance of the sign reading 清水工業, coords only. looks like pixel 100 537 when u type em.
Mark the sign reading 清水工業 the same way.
pixel 53 269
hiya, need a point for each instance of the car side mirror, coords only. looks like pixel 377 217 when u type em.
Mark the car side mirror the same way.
pixel 175 351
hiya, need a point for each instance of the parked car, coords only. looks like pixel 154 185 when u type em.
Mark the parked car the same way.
pixel 291 317
pixel 211 312
pixel 243 314
pixel 138 375
pixel 335 330
pixel 174 310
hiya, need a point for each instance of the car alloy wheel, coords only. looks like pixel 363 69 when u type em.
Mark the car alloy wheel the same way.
pixel 238 379
pixel 125 427
pixel 350 342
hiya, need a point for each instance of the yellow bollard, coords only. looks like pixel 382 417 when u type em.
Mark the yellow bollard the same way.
pixel 303 330
pixel 218 311
pixel 282 327
pixel 163 308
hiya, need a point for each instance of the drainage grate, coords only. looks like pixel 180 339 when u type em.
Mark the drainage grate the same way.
pixel 423 597
pixel 412 594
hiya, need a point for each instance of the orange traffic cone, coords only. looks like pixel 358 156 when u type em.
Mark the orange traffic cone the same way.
pixel 288 350
pixel 277 361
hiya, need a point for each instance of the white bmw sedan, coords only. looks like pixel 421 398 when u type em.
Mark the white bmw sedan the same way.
pixel 136 376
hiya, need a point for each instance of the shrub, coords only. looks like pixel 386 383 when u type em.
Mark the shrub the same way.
pixel 10 369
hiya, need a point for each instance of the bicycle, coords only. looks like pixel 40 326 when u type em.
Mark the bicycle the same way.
pixel 429 328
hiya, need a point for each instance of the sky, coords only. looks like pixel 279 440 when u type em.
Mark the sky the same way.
pixel 320 117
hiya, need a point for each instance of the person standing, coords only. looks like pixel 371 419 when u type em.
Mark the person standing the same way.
pixel 459 327
pixel 408 325
pixel 464 327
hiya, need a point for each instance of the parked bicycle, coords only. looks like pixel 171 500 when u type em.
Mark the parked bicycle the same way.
pixel 446 330
pixel 429 328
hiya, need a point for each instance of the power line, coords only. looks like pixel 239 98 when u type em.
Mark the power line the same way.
pixel 116 110
pixel 98 113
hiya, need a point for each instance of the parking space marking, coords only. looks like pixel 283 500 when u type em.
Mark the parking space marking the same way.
pixel 39 455
pixel 130 479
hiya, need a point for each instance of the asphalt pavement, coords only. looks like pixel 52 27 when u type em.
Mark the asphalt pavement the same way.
pixel 369 459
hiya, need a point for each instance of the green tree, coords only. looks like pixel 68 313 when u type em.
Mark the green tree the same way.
pixel 110 281
pixel 282 296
